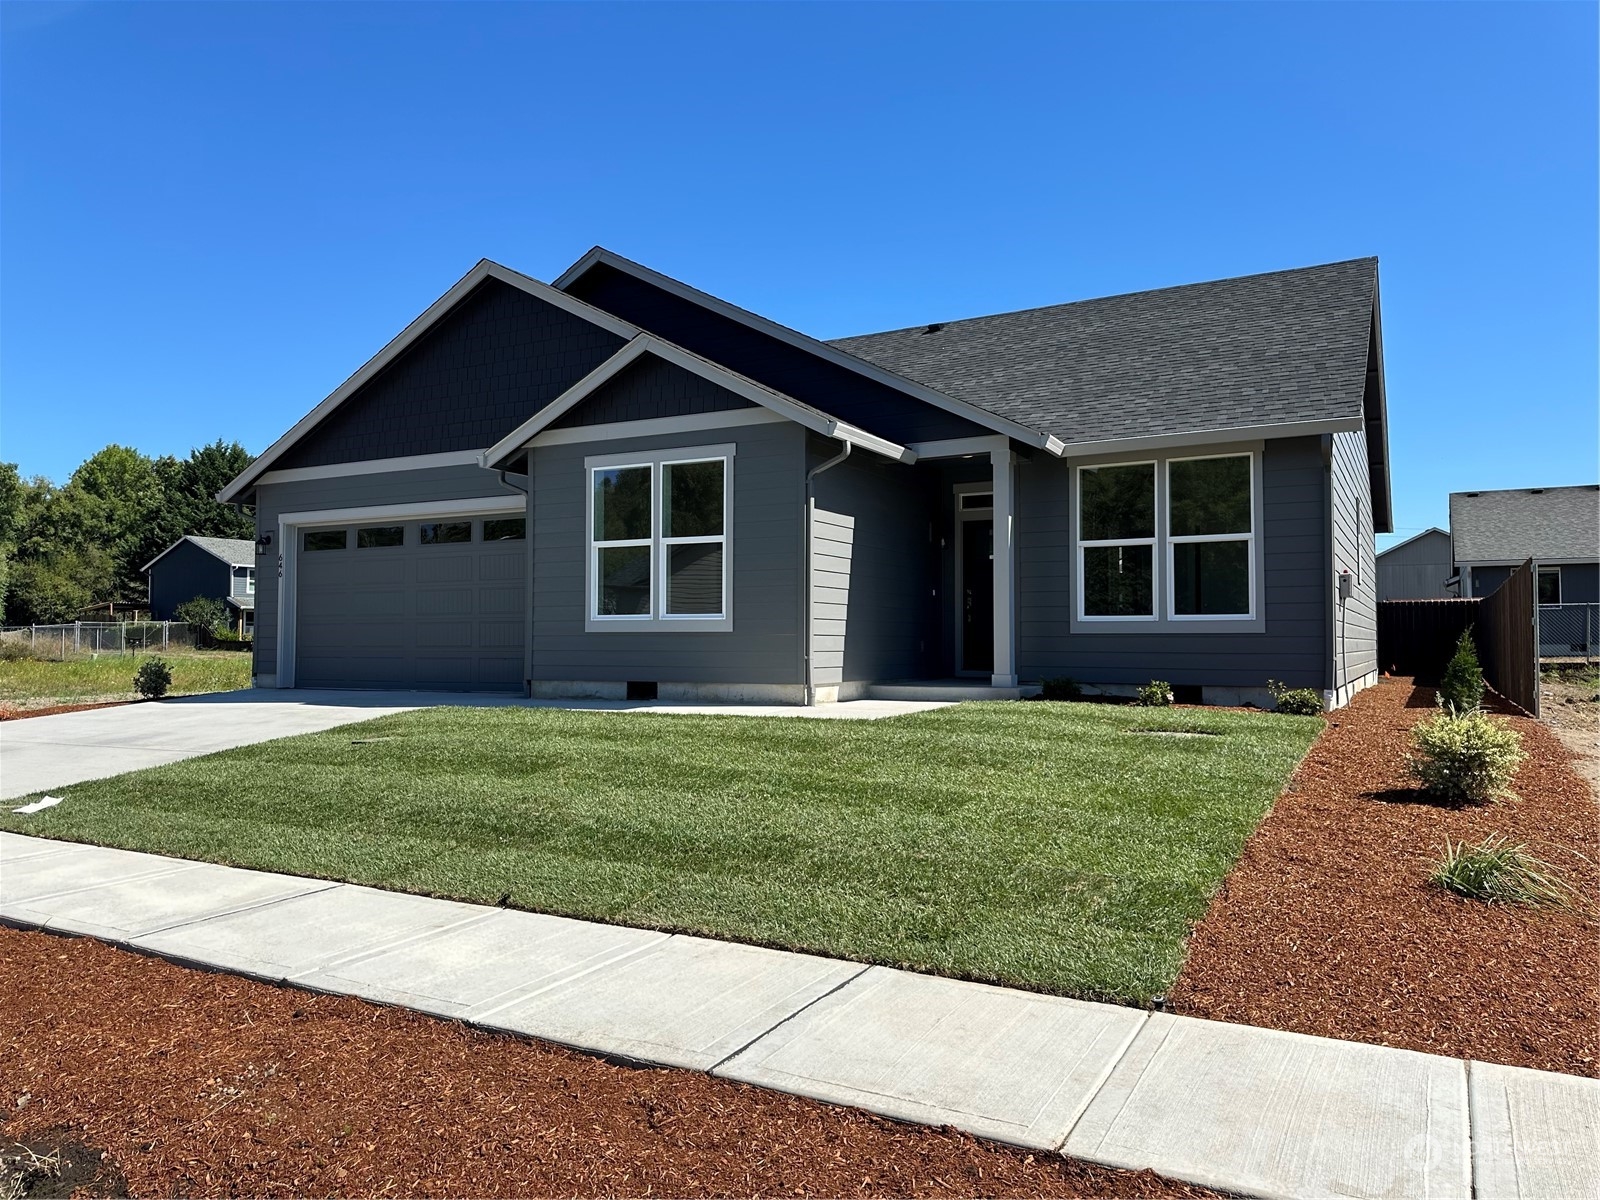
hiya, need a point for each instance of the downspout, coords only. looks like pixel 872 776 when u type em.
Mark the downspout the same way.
pixel 527 604
pixel 810 691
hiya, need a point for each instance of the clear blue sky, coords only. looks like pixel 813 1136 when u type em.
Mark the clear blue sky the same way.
pixel 214 213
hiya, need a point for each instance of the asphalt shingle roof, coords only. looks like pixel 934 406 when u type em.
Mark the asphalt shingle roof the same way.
pixel 1505 526
pixel 1257 350
pixel 236 552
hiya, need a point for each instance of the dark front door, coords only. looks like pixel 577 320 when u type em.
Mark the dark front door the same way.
pixel 977 595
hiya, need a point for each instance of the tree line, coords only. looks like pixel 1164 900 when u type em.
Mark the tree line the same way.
pixel 65 548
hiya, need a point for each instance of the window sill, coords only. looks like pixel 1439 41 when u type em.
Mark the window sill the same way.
pixel 658 625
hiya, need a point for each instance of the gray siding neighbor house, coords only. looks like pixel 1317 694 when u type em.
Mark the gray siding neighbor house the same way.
pixel 616 485
pixel 1492 533
pixel 217 568
pixel 1416 569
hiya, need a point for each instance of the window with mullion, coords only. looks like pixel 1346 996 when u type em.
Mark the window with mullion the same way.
pixel 1117 542
pixel 693 539
pixel 1210 536
pixel 658 541
pixel 622 540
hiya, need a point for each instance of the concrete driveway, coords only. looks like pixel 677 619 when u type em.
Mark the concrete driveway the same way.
pixel 40 753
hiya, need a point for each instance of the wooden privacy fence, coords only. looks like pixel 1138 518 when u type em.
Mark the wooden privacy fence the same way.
pixel 1508 639
pixel 1417 637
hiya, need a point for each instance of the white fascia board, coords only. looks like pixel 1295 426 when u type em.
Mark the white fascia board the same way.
pixel 198 546
pixel 373 466
pixel 961 447
pixel 164 553
pixel 801 341
pixel 1209 437
pixel 739 385
pixel 484 270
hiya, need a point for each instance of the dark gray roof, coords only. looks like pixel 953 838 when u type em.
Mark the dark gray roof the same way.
pixel 243 603
pixel 1519 523
pixel 236 552
pixel 1269 349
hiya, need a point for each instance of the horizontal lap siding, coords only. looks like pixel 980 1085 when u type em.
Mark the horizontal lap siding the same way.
pixel 1355 630
pixel 766 507
pixel 1294 559
pixel 870 573
pixel 348 491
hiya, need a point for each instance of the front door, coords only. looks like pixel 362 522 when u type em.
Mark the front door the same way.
pixel 977 595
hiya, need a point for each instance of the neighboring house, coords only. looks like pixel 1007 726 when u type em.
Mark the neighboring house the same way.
pixel 218 568
pixel 1416 569
pixel 618 485
pixel 1492 533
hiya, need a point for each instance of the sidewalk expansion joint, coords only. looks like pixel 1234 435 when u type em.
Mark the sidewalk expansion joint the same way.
pixel 716 1066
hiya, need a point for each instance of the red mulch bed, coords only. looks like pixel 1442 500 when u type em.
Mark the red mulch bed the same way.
pixel 201 1084
pixel 1328 926
pixel 17 714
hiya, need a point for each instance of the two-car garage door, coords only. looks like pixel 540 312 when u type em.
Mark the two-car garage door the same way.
pixel 411 604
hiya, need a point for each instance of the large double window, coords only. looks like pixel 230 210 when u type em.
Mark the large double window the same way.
pixel 1168 540
pixel 659 543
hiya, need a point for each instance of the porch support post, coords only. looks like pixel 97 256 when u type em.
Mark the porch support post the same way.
pixel 1003 464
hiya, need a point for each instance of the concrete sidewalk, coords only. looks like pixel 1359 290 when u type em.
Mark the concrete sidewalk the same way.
pixel 1251 1111
pixel 41 753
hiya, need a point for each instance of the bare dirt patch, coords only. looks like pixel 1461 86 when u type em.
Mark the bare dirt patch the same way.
pixel 1569 702
pixel 202 1084
pixel 1328 926
pixel 53 1165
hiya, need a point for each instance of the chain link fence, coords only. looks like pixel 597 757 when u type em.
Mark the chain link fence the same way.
pixel 1569 630
pixel 98 637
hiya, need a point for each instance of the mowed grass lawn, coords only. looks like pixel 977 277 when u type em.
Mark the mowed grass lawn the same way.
pixel 33 683
pixel 1044 845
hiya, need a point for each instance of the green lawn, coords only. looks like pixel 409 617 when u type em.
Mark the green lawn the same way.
pixel 1044 845
pixel 32 683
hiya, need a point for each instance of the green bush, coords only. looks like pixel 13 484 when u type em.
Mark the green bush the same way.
pixel 1297 702
pixel 1494 870
pixel 1461 688
pixel 1155 694
pixel 152 679
pixel 202 612
pixel 1465 755
pixel 1063 687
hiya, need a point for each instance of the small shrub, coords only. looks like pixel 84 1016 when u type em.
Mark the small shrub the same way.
pixel 1496 871
pixel 16 649
pixel 202 612
pixel 153 678
pixel 1155 694
pixel 1297 702
pixel 1063 687
pixel 1461 687
pixel 1465 755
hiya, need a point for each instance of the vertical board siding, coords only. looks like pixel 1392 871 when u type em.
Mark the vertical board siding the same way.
pixel 872 571
pixel 1297 578
pixel 1417 569
pixel 349 491
pixel 767 479
pixel 647 389
pixel 1355 633
pixel 492 362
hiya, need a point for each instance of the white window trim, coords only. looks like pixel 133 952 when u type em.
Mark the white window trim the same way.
pixel 249 581
pixel 1080 544
pixel 1252 539
pixel 1553 570
pixel 1164 618
pixel 658 620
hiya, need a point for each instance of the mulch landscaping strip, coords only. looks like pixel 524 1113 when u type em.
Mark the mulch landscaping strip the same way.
pixel 18 714
pixel 1328 925
pixel 202 1084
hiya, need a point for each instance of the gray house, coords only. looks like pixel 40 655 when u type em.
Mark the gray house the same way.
pixel 1559 529
pixel 1418 568
pixel 617 485
pixel 217 568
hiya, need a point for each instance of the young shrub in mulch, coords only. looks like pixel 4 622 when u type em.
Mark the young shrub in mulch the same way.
pixel 1461 687
pixel 153 678
pixel 1496 871
pixel 1062 687
pixel 1296 702
pixel 1465 756
pixel 1155 694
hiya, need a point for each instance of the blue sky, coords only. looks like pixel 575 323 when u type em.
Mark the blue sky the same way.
pixel 211 214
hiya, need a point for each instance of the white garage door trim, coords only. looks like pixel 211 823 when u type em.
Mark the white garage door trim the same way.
pixel 289 548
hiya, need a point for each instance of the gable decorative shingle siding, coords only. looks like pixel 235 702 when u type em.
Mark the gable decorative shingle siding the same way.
pixel 1258 350
pixel 497 359
pixel 649 389
pixel 836 390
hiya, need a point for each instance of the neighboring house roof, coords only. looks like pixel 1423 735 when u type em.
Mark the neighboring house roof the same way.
pixel 242 603
pixel 236 552
pixel 1521 523
pixel 1429 532
pixel 1284 348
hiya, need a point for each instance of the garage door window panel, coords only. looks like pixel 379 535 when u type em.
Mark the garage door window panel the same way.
pixel 326 539
pixel 379 536
pixel 444 533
